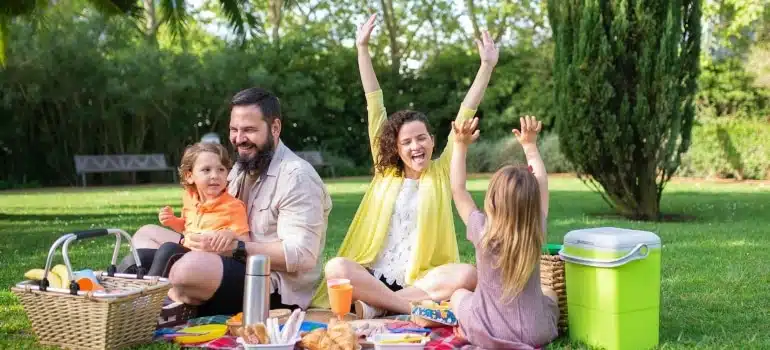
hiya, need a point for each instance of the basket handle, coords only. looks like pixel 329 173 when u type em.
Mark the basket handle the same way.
pixel 71 237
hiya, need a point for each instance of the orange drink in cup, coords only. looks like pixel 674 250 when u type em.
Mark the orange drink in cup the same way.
pixel 340 296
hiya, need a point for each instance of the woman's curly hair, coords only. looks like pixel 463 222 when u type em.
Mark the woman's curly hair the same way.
pixel 388 140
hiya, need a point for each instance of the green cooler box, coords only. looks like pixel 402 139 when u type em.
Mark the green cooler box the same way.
pixel 613 287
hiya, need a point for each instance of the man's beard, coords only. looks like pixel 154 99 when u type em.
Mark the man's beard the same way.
pixel 258 163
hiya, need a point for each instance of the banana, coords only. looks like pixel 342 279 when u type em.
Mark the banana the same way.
pixel 54 280
pixel 61 270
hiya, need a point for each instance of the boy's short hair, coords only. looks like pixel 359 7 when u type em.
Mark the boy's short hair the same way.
pixel 191 154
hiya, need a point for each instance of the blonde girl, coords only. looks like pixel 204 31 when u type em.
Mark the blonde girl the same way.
pixel 508 309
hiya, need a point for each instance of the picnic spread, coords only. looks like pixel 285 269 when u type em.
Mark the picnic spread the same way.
pixel 315 335
pixel 92 309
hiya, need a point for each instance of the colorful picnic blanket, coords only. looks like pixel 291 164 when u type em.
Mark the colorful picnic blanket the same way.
pixel 440 338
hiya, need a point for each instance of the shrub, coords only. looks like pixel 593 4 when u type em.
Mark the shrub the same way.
pixel 486 156
pixel 729 148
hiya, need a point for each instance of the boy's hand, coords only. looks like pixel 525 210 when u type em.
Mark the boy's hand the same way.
pixel 221 241
pixel 466 133
pixel 166 216
pixel 365 31
pixel 530 126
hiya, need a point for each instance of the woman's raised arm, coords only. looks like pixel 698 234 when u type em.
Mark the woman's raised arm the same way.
pixel 489 55
pixel 375 104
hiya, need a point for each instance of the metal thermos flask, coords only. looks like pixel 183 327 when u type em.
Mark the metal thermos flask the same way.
pixel 256 290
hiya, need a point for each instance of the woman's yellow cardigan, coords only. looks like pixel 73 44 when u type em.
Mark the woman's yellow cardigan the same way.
pixel 436 243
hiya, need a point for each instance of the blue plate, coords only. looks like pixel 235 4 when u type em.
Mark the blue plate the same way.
pixel 308 326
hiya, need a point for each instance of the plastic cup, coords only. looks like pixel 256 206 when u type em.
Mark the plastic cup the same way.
pixel 86 280
pixel 340 296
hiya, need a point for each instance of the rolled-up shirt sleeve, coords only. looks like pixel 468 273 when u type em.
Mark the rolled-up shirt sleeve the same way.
pixel 301 221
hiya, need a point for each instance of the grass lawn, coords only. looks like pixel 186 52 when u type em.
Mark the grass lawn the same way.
pixel 716 270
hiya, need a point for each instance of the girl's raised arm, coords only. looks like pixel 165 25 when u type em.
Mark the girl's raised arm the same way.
pixel 464 134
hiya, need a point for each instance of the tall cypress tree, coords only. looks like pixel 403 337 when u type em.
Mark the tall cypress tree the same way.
pixel 626 75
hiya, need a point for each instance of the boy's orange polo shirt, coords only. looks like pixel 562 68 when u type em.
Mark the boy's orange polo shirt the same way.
pixel 223 213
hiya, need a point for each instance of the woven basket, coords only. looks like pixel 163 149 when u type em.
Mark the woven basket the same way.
pixel 552 277
pixel 74 319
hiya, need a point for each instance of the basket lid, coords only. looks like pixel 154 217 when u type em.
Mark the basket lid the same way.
pixel 610 238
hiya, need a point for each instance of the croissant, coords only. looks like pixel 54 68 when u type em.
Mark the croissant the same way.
pixel 312 340
pixel 342 335
pixel 255 334
pixel 326 342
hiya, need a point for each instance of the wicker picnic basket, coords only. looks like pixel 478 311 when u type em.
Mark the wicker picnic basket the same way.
pixel 552 276
pixel 123 315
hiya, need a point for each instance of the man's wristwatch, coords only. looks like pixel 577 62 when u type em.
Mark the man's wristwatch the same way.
pixel 239 253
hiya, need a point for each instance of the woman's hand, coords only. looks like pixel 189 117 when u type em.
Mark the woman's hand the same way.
pixel 487 50
pixel 530 126
pixel 365 31
pixel 466 133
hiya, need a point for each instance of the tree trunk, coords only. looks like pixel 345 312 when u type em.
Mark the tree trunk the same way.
pixel 4 27
pixel 472 15
pixel 276 15
pixel 151 22
pixel 390 25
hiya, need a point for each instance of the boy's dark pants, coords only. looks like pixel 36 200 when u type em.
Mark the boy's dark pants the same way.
pixel 157 261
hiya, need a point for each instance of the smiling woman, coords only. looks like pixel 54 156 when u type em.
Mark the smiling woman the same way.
pixel 406 144
pixel 401 246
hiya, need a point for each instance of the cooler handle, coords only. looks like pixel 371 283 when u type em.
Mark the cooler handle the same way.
pixel 640 251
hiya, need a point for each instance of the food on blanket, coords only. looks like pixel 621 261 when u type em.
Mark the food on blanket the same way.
pixel 200 334
pixel 255 334
pixel 342 334
pixel 428 313
pixel 338 336
pixel 430 304
pixel 312 340
pixel 406 339
pixel 368 328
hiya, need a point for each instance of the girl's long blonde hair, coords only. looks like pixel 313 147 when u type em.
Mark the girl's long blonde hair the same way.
pixel 514 230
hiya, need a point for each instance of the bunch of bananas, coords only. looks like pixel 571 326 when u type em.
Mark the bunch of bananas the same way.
pixel 57 277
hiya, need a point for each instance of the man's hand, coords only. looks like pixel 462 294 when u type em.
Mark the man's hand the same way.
pixel 466 133
pixel 530 126
pixel 487 50
pixel 365 31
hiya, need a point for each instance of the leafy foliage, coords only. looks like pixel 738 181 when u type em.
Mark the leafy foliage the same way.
pixel 625 77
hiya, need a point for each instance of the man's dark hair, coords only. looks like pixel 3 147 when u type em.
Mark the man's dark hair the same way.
pixel 265 100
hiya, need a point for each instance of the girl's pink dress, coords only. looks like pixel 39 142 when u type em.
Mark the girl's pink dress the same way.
pixel 527 321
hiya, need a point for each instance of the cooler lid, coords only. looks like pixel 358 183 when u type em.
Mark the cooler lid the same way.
pixel 611 238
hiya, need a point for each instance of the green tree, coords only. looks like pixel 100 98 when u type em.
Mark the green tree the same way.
pixel 626 75
pixel 149 15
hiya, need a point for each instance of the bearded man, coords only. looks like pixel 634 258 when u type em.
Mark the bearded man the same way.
pixel 287 206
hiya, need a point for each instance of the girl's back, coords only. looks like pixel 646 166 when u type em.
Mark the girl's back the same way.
pixel 526 321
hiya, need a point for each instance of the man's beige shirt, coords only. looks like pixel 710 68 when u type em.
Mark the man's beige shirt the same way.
pixel 290 203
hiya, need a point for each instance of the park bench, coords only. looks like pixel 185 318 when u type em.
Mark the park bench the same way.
pixel 315 159
pixel 85 164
